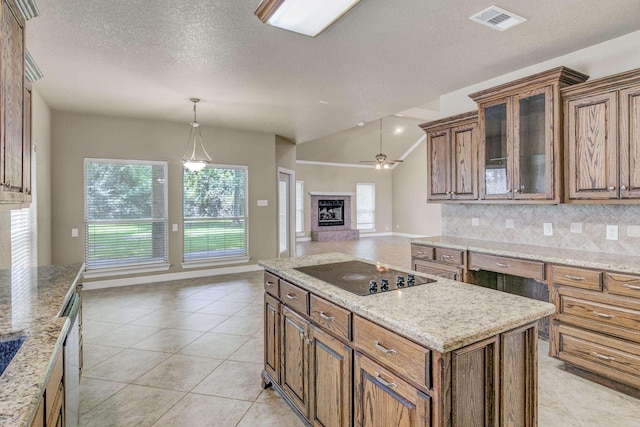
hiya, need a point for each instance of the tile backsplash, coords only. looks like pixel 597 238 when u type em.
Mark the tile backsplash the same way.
pixel 525 224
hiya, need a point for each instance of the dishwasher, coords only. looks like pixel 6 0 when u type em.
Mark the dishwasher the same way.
pixel 71 376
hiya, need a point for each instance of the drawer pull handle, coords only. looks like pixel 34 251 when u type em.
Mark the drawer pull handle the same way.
pixel 568 276
pixel 634 287
pixel 383 349
pixel 446 257
pixel 606 316
pixel 421 253
pixel 327 318
pixel 384 382
pixel 268 283
pixel 500 264
pixel 292 297
pixel 603 357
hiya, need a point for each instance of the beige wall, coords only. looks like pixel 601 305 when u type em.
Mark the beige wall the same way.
pixel 77 136
pixel 411 213
pixel 344 179
pixel 41 137
pixel 285 153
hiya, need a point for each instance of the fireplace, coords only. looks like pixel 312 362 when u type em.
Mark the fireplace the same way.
pixel 330 213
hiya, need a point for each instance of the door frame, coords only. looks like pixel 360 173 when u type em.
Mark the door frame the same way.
pixel 291 220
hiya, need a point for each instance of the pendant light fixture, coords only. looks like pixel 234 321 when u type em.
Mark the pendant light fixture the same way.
pixel 196 156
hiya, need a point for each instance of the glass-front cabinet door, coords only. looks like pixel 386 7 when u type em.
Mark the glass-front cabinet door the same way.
pixel 533 144
pixel 495 150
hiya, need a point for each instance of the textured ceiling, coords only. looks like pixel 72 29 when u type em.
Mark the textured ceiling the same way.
pixel 143 58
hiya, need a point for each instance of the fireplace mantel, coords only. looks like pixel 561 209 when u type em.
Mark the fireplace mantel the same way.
pixel 330 193
pixel 324 232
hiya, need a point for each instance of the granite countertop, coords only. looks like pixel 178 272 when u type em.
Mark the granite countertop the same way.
pixel 30 301
pixel 444 315
pixel 596 260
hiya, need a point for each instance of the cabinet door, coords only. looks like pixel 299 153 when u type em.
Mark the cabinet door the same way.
pixel 272 337
pixel 464 162
pixel 630 143
pixel 331 368
pixel 11 137
pixel 439 165
pixel 494 121
pixel 294 359
pixel 381 398
pixel 533 144
pixel 592 145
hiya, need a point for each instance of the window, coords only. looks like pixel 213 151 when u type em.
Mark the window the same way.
pixel 299 207
pixel 215 213
pixel 366 206
pixel 125 213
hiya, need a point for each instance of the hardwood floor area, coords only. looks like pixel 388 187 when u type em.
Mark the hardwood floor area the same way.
pixel 189 353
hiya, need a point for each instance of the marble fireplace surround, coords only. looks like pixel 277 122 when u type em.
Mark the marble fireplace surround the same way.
pixel 335 232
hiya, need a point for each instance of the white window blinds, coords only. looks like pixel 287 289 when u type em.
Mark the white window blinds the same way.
pixel 125 213
pixel 215 212
pixel 366 206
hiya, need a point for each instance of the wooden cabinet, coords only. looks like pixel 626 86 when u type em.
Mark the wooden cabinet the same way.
pixel 294 359
pixel 520 139
pixel 272 337
pixel 381 398
pixel 15 109
pixel 602 151
pixel 597 324
pixel 437 261
pixel 50 411
pixel 452 158
pixel 331 385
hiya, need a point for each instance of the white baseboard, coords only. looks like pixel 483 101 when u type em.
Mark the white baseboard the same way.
pixel 303 239
pixel 388 233
pixel 140 280
pixel 412 236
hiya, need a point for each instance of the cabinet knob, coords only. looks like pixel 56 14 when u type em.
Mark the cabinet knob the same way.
pixel 7 184
pixel 611 188
pixel 516 190
pixel 624 187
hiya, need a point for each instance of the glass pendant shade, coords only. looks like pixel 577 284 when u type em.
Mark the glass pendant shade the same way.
pixel 195 157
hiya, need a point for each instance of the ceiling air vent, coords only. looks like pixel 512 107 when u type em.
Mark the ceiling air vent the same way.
pixel 498 19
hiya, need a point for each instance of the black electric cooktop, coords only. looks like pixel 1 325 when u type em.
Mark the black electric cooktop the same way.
pixel 362 278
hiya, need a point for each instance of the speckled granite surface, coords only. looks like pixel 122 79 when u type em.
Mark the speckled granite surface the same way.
pixel 30 300
pixel 443 316
pixel 622 263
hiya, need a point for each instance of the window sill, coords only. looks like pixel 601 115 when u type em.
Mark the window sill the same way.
pixel 121 271
pixel 215 262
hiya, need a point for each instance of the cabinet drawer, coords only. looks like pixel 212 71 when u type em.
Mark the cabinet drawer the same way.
pixel 330 317
pixel 294 297
pixel 422 252
pixel 621 284
pixel 271 284
pixel 607 356
pixel 577 277
pixel 499 264
pixel 603 313
pixel 436 269
pixel 450 256
pixel 401 355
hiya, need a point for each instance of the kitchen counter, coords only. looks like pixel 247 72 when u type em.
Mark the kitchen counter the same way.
pixel 596 260
pixel 30 301
pixel 444 315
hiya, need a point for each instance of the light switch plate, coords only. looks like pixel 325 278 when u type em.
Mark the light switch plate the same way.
pixel 74 232
pixel 263 203
pixel 612 232
pixel 509 223
pixel 576 227
pixel 475 222
pixel 174 227
pixel 548 229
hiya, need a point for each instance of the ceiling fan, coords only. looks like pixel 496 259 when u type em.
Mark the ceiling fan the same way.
pixel 381 159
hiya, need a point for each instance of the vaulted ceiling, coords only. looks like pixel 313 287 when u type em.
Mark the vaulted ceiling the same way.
pixel 142 58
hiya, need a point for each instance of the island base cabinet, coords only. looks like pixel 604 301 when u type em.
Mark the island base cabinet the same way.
pixel 272 337
pixel 381 398
pixel 294 359
pixel 331 368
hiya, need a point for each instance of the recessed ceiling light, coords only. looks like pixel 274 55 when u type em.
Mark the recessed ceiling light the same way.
pixel 323 102
pixel 399 130
pixel 360 124
pixel 497 18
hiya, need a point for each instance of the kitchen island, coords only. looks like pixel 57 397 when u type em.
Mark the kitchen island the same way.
pixel 439 354
pixel 31 300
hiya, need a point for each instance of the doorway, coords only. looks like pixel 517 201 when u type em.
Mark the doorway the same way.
pixel 286 212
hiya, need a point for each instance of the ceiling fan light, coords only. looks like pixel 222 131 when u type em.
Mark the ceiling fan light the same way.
pixel 386 166
pixel 378 166
pixel 308 17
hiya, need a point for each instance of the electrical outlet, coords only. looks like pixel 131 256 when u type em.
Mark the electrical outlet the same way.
pixel 576 227
pixel 548 229
pixel 612 232
pixel 174 227
pixel 475 222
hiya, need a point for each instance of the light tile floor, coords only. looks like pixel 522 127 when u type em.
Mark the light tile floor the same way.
pixel 189 353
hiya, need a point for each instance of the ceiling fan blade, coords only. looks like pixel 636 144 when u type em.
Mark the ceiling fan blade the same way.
pixel 368 161
pixel 395 161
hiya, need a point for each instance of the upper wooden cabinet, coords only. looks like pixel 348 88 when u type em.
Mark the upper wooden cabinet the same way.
pixel 520 137
pixel 602 147
pixel 15 145
pixel 452 158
